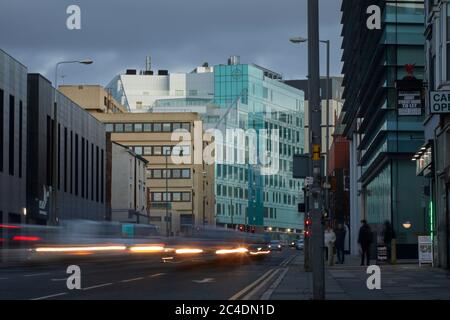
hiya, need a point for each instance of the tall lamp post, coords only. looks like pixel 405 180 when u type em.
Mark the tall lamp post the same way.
pixel 298 40
pixel 55 140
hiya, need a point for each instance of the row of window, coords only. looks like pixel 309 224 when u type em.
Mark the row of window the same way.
pixel 170 196
pixel 169 173
pixel 82 168
pixel 147 127
pixel 161 150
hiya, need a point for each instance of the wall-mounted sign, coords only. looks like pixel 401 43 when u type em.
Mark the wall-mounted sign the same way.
pixel 439 102
pixel 409 103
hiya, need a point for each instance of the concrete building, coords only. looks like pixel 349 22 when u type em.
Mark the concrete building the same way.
pixel 93 98
pixel 126 192
pixel 182 192
pixel 335 107
pixel 81 153
pixel 13 140
pixel 234 96
pixel 433 157
pixel 141 92
pixel 383 128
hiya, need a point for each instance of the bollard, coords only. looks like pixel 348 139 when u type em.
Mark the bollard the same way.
pixel 393 251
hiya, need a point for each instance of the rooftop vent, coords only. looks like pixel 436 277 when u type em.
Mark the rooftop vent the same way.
pixel 234 60
pixel 131 71
pixel 163 72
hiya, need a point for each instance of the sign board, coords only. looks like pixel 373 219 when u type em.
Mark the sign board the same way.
pixel 301 166
pixel 409 103
pixel 425 250
pixel 309 181
pixel 382 253
pixel 439 102
pixel 128 230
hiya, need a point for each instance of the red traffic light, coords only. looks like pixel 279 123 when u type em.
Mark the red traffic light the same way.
pixel 307 233
pixel 308 222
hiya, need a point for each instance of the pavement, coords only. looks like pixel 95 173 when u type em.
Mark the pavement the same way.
pixel 403 281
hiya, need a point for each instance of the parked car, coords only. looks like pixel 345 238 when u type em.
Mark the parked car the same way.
pixel 275 245
pixel 299 244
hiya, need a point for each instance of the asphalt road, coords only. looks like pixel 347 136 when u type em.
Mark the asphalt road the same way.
pixel 140 278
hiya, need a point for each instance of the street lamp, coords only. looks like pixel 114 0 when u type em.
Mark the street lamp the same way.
pixel 298 40
pixel 56 137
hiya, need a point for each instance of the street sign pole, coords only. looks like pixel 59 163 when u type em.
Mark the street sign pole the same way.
pixel 315 140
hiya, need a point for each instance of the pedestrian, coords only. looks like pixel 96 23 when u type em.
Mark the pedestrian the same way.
pixel 388 236
pixel 365 239
pixel 340 243
pixel 330 238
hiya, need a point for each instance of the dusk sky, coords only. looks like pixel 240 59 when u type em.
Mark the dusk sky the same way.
pixel 178 34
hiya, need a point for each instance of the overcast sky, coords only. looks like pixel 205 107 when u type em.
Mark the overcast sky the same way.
pixel 177 34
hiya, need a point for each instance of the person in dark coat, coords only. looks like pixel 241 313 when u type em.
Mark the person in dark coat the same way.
pixel 388 236
pixel 340 243
pixel 365 239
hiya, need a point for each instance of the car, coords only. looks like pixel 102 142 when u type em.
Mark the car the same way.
pixel 275 245
pixel 293 243
pixel 299 245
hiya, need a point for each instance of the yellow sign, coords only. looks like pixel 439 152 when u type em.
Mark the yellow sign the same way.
pixel 316 152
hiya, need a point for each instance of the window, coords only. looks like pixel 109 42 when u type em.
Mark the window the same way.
pixel 138 127
pixel 157 127
pixel 167 150
pixel 186 126
pixel 157 174
pixel 157 151
pixel 21 141
pixel 118 127
pixel 109 127
pixel 138 104
pixel 176 173
pixel 186 173
pixel 157 196
pixel 138 150
pixel 1 128
pixel 448 41
pixel 128 127
pixel 176 196
pixel 167 127
pixel 186 196
pixel 176 126
pixel 147 127
pixel 179 93
pixel 11 135
pixel 147 151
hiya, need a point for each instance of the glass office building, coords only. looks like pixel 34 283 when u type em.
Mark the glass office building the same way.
pixel 255 100
pixel 384 133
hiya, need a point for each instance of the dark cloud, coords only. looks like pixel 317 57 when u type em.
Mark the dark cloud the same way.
pixel 178 34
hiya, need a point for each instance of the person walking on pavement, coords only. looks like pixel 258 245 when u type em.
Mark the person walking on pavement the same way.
pixel 365 239
pixel 330 238
pixel 388 236
pixel 340 243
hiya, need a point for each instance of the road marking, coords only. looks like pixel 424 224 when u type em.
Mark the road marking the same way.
pixel 255 290
pixel 287 261
pixel 134 279
pixel 250 286
pixel 274 286
pixel 206 280
pixel 59 279
pixel 98 286
pixel 156 275
pixel 50 296
pixel 36 274
pixel 3 278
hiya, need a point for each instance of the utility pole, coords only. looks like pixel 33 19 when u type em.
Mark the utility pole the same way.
pixel 315 120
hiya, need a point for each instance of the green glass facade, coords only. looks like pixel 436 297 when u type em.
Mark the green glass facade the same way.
pixel 387 139
pixel 245 194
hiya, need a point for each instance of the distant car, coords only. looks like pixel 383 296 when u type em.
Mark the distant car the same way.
pixel 275 245
pixel 299 245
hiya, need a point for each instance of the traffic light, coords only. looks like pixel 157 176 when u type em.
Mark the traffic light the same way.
pixel 307 225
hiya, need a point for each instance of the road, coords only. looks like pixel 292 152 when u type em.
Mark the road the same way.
pixel 143 278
